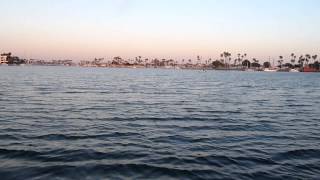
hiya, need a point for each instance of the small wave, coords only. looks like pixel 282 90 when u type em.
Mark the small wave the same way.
pixel 74 92
pixel 114 171
pixel 62 155
pixel 57 137
pixel 178 139
pixel 299 105
pixel 254 161
pixel 162 119
pixel 13 130
pixel 298 154
pixel 8 137
pixel 9 153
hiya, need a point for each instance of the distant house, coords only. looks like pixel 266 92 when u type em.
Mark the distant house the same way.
pixel 7 58
pixel 4 58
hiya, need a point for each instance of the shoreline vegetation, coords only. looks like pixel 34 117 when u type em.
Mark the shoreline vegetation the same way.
pixel 239 62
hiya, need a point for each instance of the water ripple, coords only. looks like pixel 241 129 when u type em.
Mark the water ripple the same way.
pixel 87 123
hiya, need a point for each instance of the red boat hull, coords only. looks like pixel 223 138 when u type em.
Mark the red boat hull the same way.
pixel 309 69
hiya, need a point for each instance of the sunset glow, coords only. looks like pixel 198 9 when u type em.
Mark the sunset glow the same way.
pixel 84 29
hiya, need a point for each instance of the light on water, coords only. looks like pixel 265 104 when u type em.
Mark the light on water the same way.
pixel 78 123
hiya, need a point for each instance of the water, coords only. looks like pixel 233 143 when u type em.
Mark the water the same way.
pixel 91 123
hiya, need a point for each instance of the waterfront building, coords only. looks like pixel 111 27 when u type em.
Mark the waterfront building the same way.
pixel 7 58
pixel 4 58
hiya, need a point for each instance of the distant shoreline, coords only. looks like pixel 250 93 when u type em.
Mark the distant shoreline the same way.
pixel 243 69
pixel 305 63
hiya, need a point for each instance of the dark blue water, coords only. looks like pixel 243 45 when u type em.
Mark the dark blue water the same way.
pixel 91 123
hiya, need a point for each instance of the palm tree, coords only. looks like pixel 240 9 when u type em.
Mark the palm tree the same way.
pixel 238 59
pixel 244 55
pixel 226 56
pixel 241 58
pixel 221 55
pixel 198 60
pixel 156 62
pixel 293 58
pixel 301 61
pixel 163 62
pixel 146 60
pixel 235 61
pixel 314 57
pixel 280 61
pixel 138 60
pixel 308 57
pixel 117 60
pixel 292 55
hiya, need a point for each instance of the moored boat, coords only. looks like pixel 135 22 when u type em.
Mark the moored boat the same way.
pixel 294 70
pixel 309 69
pixel 270 70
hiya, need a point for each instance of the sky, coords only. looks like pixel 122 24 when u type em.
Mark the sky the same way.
pixel 85 29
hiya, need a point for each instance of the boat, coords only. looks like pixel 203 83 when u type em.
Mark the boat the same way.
pixel 270 70
pixel 293 70
pixel 309 69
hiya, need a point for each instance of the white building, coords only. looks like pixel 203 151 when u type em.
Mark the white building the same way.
pixel 4 58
